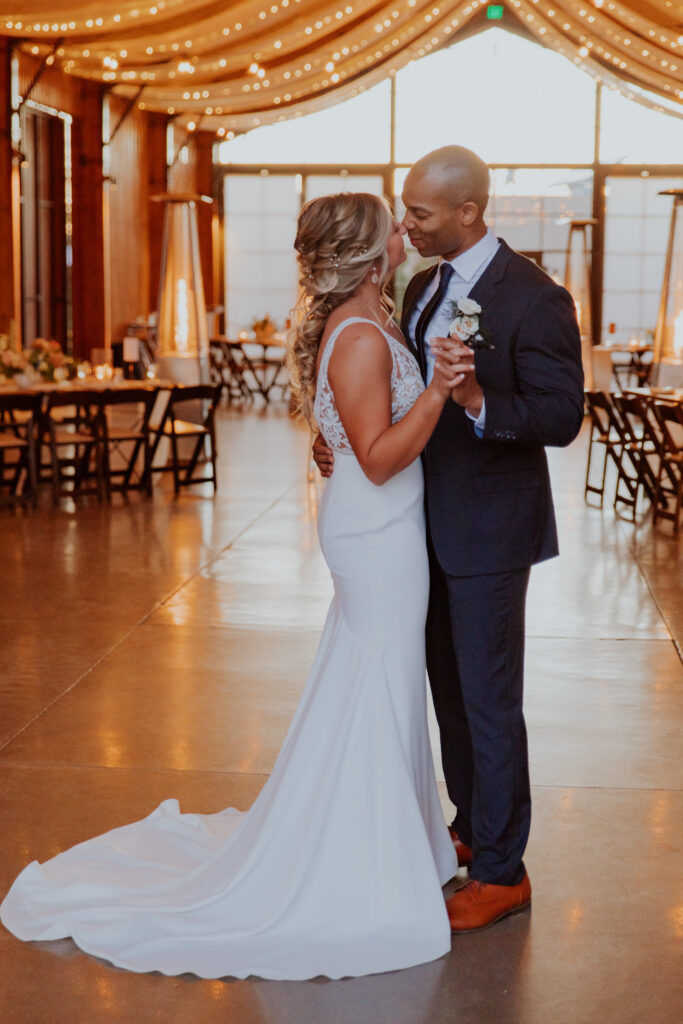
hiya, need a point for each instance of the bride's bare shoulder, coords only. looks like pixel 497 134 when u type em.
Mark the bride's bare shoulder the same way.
pixel 360 351
pixel 360 327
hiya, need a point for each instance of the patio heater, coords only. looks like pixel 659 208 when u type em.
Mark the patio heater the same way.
pixel 577 281
pixel 183 343
pixel 668 353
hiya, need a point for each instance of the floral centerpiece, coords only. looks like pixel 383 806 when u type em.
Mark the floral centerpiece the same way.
pixel 12 362
pixel 43 360
pixel 47 359
pixel 263 329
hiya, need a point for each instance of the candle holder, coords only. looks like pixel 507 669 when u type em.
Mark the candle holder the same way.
pixel 131 354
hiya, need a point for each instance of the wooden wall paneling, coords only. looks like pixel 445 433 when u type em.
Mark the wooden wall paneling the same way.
pixel 6 224
pixel 129 229
pixel 157 184
pixel 54 88
pixel 88 262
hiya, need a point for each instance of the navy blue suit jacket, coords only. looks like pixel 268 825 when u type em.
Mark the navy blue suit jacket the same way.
pixel 489 503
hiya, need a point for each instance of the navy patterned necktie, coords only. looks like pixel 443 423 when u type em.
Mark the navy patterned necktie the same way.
pixel 445 274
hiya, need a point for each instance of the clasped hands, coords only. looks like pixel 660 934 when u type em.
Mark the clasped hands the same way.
pixel 455 376
pixel 454 367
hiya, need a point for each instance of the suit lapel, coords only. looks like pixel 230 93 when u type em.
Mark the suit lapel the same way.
pixel 485 288
pixel 415 288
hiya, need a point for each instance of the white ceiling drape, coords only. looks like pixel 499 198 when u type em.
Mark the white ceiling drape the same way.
pixel 232 66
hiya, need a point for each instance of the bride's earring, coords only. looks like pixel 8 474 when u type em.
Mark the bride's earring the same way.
pixel 375 276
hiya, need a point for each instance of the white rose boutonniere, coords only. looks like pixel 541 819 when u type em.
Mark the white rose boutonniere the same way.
pixel 466 325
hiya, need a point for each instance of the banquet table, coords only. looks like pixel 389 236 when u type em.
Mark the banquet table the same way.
pixel 637 365
pixel 257 362
pixel 120 417
pixel 85 384
pixel 662 394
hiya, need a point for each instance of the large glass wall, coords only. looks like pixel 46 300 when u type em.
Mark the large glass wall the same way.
pixel 636 231
pixel 508 99
pixel 260 225
pixel 530 113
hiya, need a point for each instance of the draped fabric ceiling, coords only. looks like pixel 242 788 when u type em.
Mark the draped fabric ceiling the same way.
pixel 228 67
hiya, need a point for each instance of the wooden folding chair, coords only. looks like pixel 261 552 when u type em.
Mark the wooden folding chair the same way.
pixel 669 418
pixel 605 432
pixel 127 441
pixel 640 450
pixel 70 429
pixel 226 370
pixel 18 418
pixel 177 429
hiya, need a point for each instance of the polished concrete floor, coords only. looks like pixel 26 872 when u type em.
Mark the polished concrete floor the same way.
pixel 156 649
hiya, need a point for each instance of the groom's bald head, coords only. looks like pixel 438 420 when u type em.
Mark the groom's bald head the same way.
pixel 455 174
pixel 445 195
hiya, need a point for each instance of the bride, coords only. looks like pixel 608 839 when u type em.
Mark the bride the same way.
pixel 337 868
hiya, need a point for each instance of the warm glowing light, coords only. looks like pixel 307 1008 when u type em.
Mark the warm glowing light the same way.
pixel 578 312
pixel 182 316
pixel 422 29
pixel 575 915
pixel 678 336
pixel 676 915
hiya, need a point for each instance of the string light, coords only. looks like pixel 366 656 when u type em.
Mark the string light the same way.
pixel 592 33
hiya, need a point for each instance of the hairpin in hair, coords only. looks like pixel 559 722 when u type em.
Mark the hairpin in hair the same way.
pixel 334 261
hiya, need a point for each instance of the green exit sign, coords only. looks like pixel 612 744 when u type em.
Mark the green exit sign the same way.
pixel 494 12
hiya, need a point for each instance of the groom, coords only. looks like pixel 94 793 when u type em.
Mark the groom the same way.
pixel 489 510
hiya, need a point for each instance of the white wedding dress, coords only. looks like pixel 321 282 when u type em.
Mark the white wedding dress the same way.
pixel 337 867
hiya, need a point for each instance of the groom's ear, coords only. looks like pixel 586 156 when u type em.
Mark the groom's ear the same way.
pixel 469 213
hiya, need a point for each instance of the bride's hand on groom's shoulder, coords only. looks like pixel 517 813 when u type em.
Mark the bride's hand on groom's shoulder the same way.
pixel 323 456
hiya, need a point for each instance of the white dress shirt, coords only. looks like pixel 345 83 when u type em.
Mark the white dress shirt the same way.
pixel 468 267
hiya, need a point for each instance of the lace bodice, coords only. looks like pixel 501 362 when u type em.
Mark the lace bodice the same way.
pixel 406 386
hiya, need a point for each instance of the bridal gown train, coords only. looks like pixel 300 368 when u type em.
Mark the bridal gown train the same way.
pixel 337 867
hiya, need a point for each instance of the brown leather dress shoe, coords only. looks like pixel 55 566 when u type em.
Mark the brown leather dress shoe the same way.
pixel 480 904
pixel 463 852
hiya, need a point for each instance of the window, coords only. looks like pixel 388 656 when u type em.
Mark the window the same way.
pixel 260 269
pixel 636 228
pixel 356 131
pixel 631 133
pixel 513 102
pixel 508 99
pixel 45 226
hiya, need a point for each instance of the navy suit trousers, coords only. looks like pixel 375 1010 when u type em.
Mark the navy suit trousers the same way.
pixel 475 660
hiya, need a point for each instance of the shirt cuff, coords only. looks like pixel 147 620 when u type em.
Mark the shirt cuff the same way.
pixel 480 420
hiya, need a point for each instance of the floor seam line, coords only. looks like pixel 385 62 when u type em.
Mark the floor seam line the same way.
pixel 665 619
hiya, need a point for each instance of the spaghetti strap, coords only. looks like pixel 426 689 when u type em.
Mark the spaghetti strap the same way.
pixel 329 345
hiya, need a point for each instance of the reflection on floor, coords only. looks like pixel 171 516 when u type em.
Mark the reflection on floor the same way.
pixel 158 648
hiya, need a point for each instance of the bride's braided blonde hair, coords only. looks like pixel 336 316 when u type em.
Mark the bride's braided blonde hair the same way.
pixel 339 238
